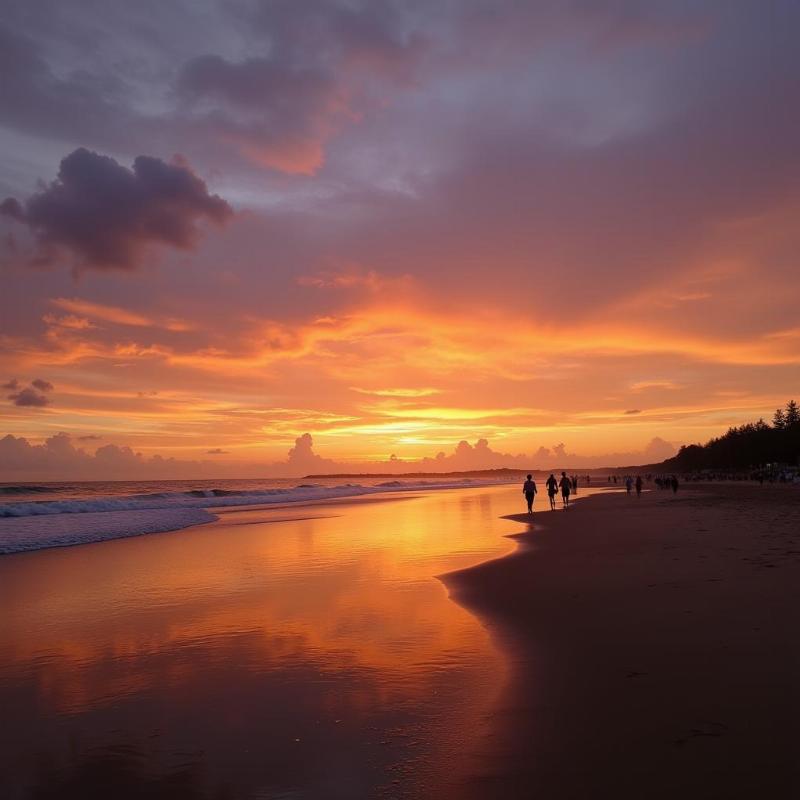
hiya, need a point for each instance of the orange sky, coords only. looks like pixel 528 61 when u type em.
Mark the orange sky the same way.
pixel 349 224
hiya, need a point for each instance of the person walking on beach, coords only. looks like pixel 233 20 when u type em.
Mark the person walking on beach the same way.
pixel 529 490
pixel 552 489
pixel 628 484
pixel 638 485
pixel 566 485
pixel 674 484
pixel 575 484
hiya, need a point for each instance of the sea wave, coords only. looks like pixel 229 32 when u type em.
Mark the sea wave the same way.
pixel 208 498
pixel 24 534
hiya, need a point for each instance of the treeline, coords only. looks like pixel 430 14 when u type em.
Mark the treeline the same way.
pixel 748 446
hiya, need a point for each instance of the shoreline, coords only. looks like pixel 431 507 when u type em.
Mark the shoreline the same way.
pixel 30 526
pixel 649 645
pixel 300 649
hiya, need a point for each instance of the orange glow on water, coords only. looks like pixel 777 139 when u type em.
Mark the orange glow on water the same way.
pixel 341 596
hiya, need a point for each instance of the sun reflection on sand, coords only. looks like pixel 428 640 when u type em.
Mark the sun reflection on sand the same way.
pixel 320 622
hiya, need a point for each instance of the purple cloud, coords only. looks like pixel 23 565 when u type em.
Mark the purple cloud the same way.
pixel 105 215
pixel 29 398
pixel 42 386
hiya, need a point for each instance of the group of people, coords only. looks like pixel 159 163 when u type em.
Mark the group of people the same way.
pixel 667 482
pixel 568 485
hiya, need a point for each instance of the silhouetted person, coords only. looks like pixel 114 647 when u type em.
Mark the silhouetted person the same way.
pixel 674 484
pixel 529 490
pixel 638 485
pixel 552 490
pixel 575 484
pixel 566 486
pixel 628 484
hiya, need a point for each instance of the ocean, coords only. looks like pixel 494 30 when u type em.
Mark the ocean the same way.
pixel 43 515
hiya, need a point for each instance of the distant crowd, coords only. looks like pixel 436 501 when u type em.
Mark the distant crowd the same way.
pixel 769 474
pixel 567 485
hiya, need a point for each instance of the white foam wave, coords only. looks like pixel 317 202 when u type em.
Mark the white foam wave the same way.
pixel 34 525
pixel 208 498
pixel 20 534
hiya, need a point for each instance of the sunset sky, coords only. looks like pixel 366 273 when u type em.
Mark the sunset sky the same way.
pixel 569 228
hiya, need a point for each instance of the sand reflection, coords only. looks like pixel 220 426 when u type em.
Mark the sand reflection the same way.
pixel 277 649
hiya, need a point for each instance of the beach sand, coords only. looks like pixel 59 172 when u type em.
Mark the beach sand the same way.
pixel 640 648
pixel 653 646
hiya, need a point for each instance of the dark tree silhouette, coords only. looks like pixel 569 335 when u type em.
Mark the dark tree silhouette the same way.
pixel 745 447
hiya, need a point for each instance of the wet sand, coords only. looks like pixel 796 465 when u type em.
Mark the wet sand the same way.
pixel 305 651
pixel 653 645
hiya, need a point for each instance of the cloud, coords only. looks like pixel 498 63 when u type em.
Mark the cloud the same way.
pixel 57 458
pixel 217 451
pixel 481 456
pixel 89 437
pixel 492 156
pixel 114 314
pixel 303 460
pixel 33 396
pixel 322 64
pixel 276 113
pixel 398 392
pixel 105 216
pixel 29 398
pixel 659 449
pixel 70 321
pixel 640 386
pixel 633 411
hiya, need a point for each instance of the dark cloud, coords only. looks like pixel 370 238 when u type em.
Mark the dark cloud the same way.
pixel 277 115
pixel 68 104
pixel 29 398
pixel 322 70
pixel 217 451
pixel 11 208
pixel 32 396
pixel 104 215
pixel 634 411
pixel 89 437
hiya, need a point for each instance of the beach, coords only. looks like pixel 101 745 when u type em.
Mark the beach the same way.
pixel 421 644
pixel 653 648
pixel 285 650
